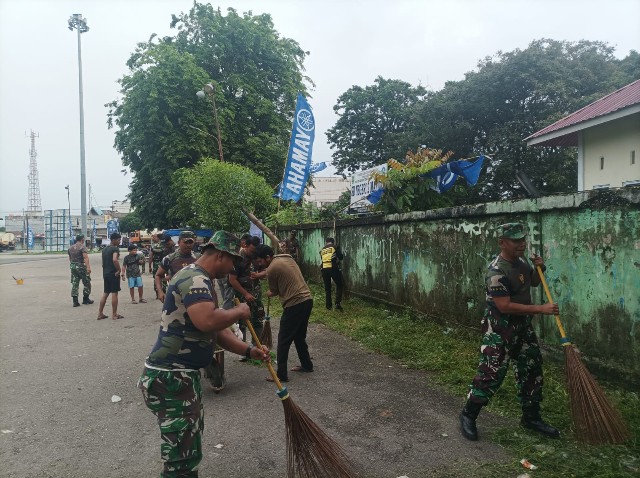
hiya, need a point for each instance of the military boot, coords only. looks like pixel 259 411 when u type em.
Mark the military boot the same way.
pixel 75 301
pixel 531 420
pixel 86 300
pixel 468 418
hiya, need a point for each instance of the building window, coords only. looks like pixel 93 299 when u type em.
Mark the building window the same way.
pixel 633 157
pixel 601 186
pixel 635 182
pixel 601 162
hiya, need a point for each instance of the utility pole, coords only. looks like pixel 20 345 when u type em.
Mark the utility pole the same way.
pixel 77 22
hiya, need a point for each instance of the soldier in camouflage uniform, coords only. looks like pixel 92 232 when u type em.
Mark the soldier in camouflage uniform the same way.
pixel 509 335
pixel 191 323
pixel 80 271
pixel 175 261
pixel 247 289
pixel 157 252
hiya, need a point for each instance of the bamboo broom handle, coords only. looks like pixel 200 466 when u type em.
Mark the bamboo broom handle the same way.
pixel 263 228
pixel 563 334
pixel 273 373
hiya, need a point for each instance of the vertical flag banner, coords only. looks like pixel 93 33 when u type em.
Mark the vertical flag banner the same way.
pixel 296 172
pixel 30 238
pixel 112 226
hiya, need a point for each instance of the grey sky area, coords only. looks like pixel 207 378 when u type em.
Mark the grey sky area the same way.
pixel 350 43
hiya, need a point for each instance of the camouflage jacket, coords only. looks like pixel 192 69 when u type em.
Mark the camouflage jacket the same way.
pixel 180 344
pixel 175 261
pixel 509 279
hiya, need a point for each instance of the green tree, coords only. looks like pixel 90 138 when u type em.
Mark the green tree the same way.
pixel 163 127
pixel 373 124
pixel 213 194
pixel 131 222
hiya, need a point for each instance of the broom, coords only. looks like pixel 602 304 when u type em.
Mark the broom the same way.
pixel 266 336
pixel 310 452
pixel 595 420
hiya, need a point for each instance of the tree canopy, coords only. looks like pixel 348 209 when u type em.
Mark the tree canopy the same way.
pixel 213 194
pixel 162 126
pixel 490 111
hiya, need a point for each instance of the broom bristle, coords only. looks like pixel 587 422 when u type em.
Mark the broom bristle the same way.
pixel 310 452
pixel 595 419
pixel 266 337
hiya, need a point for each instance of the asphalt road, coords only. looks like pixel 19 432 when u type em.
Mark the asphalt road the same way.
pixel 60 367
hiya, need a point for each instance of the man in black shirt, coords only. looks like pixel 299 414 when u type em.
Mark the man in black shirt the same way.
pixel 111 275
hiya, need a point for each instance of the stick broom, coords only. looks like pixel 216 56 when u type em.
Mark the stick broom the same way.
pixel 310 452
pixel 266 336
pixel 595 420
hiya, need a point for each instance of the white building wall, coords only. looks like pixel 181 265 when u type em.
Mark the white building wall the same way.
pixel 326 190
pixel 608 153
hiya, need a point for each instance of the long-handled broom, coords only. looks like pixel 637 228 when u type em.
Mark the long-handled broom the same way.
pixel 266 336
pixel 311 453
pixel 595 420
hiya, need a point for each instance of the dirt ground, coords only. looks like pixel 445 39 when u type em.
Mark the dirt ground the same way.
pixel 60 367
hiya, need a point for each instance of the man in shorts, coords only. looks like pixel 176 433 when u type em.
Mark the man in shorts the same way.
pixel 111 275
pixel 131 266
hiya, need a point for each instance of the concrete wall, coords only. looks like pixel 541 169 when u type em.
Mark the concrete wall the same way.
pixel 435 261
pixel 613 141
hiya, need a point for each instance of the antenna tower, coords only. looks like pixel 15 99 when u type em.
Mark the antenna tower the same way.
pixel 35 205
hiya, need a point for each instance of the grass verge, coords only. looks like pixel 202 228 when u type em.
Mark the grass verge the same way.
pixel 450 354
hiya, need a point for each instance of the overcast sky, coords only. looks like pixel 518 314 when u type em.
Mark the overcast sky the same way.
pixel 351 43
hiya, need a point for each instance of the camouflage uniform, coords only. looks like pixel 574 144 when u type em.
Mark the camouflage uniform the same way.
pixel 79 270
pixel 173 262
pixel 508 337
pixel 157 248
pixel 253 287
pixel 170 383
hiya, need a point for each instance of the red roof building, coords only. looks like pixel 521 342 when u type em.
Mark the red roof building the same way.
pixel 607 135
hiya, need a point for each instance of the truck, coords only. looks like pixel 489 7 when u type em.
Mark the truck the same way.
pixel 140 238
pixel 7 241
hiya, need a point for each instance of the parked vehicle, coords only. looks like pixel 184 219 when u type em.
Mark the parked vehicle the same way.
pixel 7 241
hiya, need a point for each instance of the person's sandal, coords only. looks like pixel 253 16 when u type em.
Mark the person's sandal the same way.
pixel 143 301
pixel 100 317
pixel 118 317
pixel 134 301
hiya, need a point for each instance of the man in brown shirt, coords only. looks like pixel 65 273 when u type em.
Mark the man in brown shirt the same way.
pixel 285 281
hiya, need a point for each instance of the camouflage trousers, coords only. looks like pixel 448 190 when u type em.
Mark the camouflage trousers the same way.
pixel 257 310
pixel 175 398
pixel 79 273
pixel 154 269
pixel 508 339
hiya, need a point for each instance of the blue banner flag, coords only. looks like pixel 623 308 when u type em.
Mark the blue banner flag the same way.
pixel 447 174
pixel 296 172
pixel 30 238
pixel 316 168
pixel 112 226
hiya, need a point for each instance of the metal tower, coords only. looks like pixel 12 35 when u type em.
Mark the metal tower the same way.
pixel 35 205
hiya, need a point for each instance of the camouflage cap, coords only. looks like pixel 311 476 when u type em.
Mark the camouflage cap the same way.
pixel 165 238
pixel 187 235
pixel 226 242
pixel 513 230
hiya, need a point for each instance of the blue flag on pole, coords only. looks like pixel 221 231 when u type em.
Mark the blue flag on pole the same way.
pixel 30 238
pixel 447 174
pixel 316 168
pixel 296 172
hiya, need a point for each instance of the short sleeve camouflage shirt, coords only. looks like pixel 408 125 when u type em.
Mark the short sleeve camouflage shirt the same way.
pixel 508 279
pixel 180 344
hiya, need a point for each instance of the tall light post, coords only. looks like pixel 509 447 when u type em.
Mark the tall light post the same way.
pixel 209 89
pixel 69 204
pixel 77 22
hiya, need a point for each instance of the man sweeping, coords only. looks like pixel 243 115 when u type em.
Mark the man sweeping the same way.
pixel 191 324
pixel 508 335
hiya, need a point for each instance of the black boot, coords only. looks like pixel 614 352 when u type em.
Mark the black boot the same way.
pixel 531 420
pixel 86 300
pixel 468 418
pixel 75 301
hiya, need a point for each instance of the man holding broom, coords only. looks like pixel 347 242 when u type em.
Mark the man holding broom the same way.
pixel 508 335
pixel 191 324
pixel 285 281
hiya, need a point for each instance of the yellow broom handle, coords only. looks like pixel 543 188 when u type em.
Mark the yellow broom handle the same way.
pixel 256 340
pixel 550 300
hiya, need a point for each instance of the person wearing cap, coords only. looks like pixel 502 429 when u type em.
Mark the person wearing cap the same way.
pixel 292 246
pixel 509 336
pixel 80 271
pixel 131 266
pixel 330 256
pixel 111 272
pixel 161 246
pixel 191 323
pixel 285 281
pixel 175 261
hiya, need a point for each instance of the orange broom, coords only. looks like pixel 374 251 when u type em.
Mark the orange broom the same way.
pixel 311 453
pixel 266 337
pixel 595 420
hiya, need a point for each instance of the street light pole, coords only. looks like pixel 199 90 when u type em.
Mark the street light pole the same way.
pixel 210 90
pixel 77 22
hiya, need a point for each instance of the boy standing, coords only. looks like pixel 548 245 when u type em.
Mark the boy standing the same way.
pixel 131 265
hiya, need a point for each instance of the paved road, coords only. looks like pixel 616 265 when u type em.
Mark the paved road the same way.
pixel 59 368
